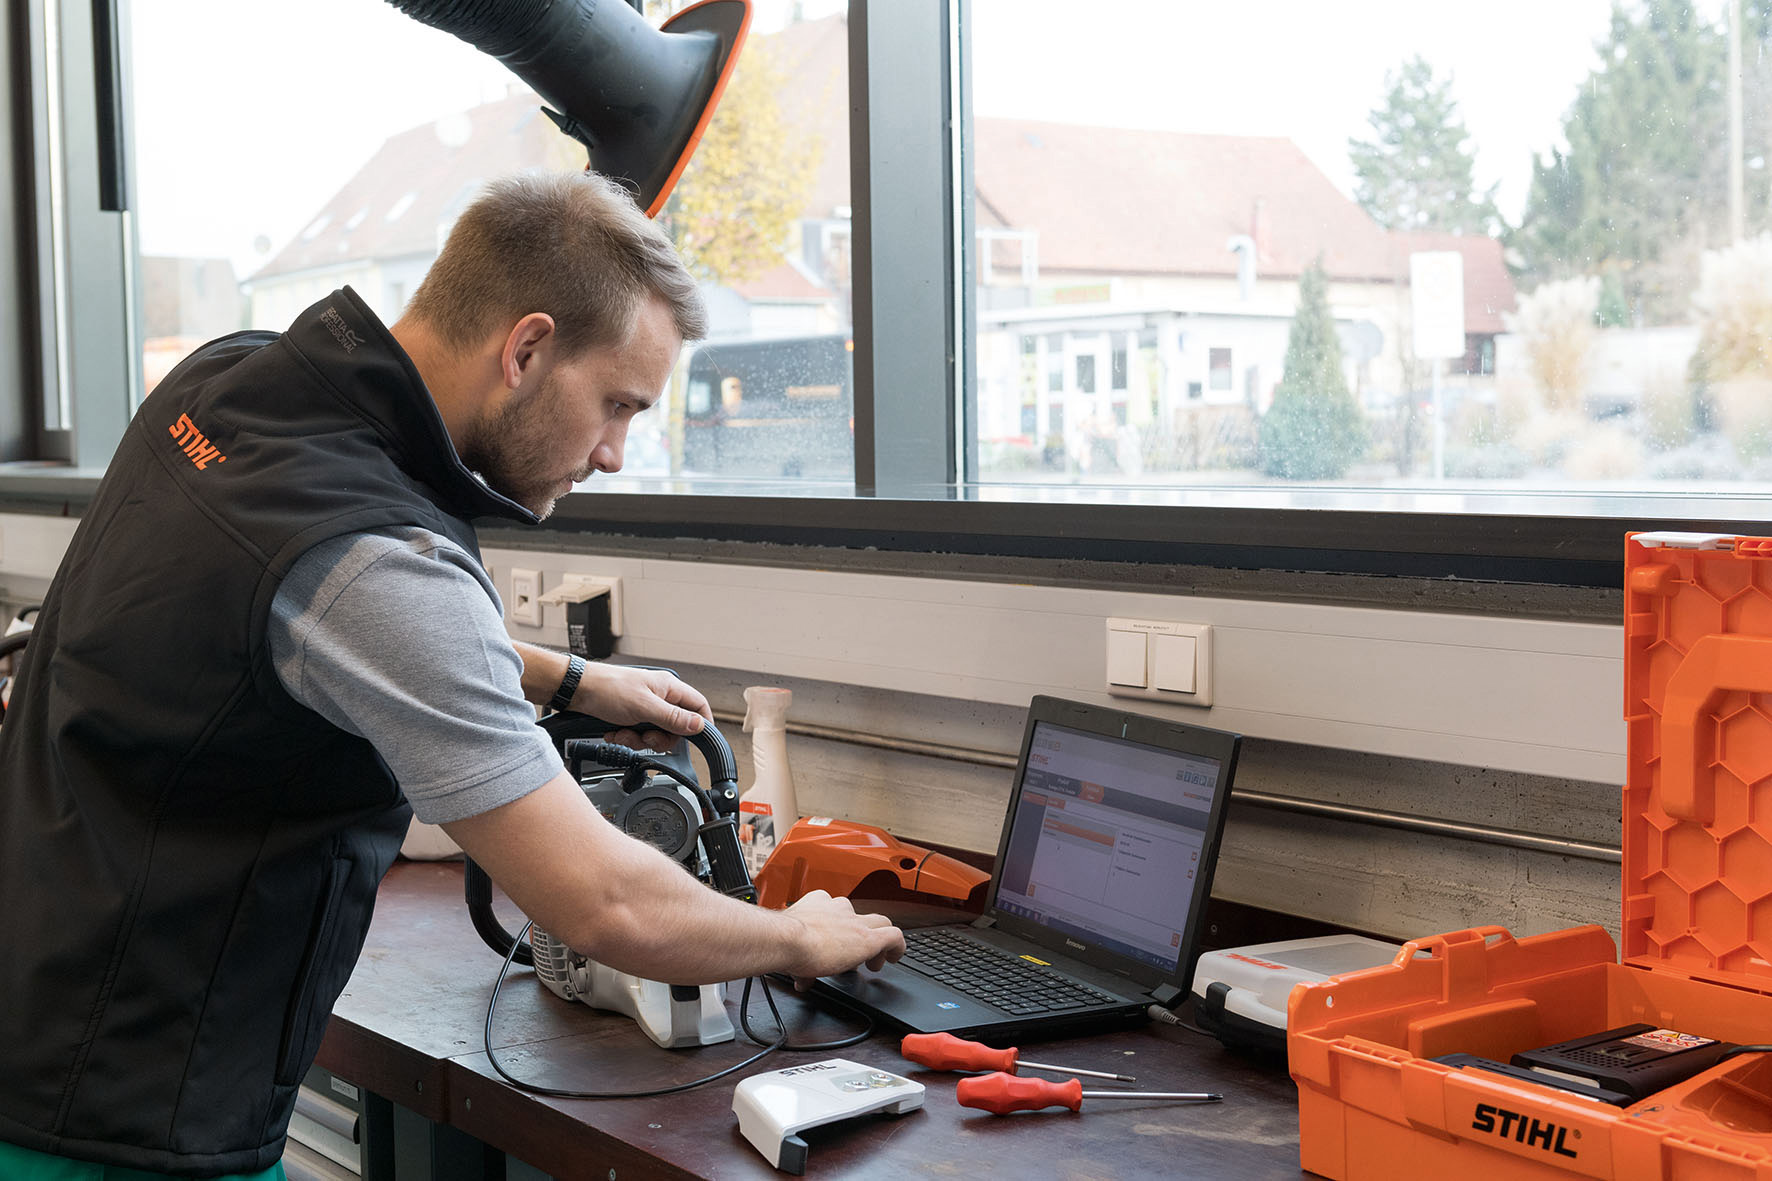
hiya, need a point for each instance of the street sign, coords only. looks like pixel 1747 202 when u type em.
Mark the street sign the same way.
pixel 1436 304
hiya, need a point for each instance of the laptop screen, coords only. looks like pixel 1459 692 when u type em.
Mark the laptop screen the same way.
pixel 1106 842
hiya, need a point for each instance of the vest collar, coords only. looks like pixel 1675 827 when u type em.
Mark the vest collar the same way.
pixel 359 357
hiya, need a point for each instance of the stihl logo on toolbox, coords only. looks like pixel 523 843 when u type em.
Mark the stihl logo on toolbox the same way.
pixel 194 443
pixel 1523 1129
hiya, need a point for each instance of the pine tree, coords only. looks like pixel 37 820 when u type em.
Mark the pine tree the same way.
pixel 1313 431
pixel 1636 197
pixel 1415 173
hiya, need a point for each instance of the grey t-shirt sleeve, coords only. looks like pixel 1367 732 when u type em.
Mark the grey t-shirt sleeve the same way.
pixel 396 636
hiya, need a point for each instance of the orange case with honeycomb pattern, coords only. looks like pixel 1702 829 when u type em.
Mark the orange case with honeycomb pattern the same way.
pixel 1697 931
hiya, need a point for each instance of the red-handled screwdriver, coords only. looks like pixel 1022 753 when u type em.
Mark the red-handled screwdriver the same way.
pixel 1001 1094
pixel 944 1051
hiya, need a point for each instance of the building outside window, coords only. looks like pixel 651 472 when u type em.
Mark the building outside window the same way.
pixel 1231 268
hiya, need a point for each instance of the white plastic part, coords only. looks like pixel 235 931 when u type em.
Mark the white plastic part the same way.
pixel 699 1018
pixel 769 807
pixel 427 842
pixel 581 588
pixel 1672 539
pixel 1261 976
pixel 772 1108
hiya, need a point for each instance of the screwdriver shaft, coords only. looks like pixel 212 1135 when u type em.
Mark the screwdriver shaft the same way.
pixel 1119 1078
pixel 1202 1096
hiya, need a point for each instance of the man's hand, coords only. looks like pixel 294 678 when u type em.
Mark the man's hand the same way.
pixel 653 706
pixel 838 939
pixel 621 902
pixel 653 701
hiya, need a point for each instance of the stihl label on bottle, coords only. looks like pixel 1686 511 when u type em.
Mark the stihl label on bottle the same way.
pixel 756 833
pixel 1524 1129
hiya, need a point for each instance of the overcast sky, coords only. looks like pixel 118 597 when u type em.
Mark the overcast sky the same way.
pixel 251 113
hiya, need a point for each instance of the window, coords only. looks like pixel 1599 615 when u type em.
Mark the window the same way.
pixel 1218 369
pixel 344 209
pixel 1460 252
pixel 1601 374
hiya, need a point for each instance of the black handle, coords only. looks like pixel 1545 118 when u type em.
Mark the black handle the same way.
pixel 723 852
pixel 722 767
pixel 477 886
pixel 107 71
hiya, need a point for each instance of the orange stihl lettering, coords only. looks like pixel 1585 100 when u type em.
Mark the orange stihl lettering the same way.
pixel 194 443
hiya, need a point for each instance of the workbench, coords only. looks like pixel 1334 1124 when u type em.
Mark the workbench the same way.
pixel 409 1033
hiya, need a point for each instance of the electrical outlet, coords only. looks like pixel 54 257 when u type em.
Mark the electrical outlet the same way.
pixel 526 597
pixel 576 588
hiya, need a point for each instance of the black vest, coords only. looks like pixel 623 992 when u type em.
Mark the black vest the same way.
pixel 188 858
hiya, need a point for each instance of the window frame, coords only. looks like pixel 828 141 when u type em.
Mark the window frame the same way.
pixel 912 235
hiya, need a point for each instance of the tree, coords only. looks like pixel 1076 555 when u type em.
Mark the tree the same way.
pixel 1313 431
pixel 1415 173
pixel 1635 195
pixel 733 212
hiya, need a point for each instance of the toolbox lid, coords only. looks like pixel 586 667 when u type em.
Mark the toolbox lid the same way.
pixel 1697 885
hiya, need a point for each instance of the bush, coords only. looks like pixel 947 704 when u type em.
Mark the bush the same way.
pixel 1313 431
pixel 1556 324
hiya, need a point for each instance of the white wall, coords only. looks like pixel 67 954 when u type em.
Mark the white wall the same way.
pixel 1511 694
pixel 1516 695
pixel 1505 723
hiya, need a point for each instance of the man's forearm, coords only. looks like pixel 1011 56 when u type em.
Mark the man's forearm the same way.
pixel 619 900
pixel 673 928
pixel 543 670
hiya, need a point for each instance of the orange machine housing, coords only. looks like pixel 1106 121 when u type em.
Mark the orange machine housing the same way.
pixel 850 860
pixel 1697 931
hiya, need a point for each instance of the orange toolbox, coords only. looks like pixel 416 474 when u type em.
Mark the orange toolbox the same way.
pixel 1697 931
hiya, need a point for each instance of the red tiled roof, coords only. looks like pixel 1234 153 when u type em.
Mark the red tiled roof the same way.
pixel 1488 288
pixel 1109 200
pixel 422 176
pixel 783 281
pixel 1101 200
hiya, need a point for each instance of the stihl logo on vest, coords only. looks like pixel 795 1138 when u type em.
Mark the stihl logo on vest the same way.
pixel 194 443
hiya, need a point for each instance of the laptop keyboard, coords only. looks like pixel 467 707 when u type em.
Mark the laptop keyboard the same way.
pixel 992 976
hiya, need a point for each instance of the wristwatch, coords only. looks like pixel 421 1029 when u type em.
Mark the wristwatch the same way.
pixel 562 698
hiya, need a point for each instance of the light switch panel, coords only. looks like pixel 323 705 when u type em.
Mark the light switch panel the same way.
pixel 1158 660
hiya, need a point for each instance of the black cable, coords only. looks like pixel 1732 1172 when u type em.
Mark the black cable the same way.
pixel 1734 1050
pixel 558 1093
pixel 744 1021
pixel 618 757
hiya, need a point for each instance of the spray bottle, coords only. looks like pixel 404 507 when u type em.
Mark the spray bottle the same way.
pixel 768 809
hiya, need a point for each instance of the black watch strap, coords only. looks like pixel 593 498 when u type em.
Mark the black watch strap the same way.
pixel 562 698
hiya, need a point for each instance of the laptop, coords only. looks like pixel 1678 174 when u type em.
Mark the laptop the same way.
pixel 1102 876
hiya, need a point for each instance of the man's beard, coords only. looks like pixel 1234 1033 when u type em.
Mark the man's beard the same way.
pixel 503 446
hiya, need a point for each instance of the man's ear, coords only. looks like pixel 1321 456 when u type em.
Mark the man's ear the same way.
pixel 530 340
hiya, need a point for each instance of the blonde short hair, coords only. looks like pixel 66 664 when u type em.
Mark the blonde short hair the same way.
pixel 571 244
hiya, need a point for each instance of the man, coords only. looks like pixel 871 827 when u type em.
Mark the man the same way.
pixel 271 634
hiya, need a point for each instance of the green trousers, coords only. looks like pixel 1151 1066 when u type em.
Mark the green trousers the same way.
pixel 21 1164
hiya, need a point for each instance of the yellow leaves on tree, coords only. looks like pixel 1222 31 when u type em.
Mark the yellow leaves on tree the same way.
pixel 748 182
